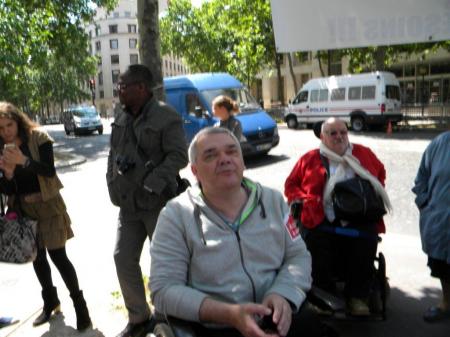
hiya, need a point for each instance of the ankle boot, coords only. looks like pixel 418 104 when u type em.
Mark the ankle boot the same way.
pixel 51 305
pixel 81 310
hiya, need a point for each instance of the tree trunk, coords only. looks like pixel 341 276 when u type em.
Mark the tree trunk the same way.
pixel 150 44
pixel 280 84
pixel 380 56
pixel 291 69
pixel 318 55
pixel 329 62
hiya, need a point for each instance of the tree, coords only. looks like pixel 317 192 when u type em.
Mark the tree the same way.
pixel 37 33
pixel 235 36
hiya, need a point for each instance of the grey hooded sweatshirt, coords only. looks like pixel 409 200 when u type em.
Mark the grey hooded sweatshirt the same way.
pixel 195 254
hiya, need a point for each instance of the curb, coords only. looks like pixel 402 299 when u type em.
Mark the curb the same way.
pixel 67 162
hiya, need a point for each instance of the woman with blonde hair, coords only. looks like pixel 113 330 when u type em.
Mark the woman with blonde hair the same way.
pixel 30 181
pixel 224 108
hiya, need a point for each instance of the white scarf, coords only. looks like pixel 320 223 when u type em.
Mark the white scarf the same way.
pixel 354 163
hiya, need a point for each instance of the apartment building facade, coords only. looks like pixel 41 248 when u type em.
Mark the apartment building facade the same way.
pixel 114 40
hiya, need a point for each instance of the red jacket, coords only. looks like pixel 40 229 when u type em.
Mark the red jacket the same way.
pixel 307 181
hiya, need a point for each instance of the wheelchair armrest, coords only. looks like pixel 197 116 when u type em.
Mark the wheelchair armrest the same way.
pixel 179 327
pixel 325 300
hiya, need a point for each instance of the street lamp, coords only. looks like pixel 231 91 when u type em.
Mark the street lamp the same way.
pixel 423 70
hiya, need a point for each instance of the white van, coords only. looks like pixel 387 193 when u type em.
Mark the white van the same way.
pixel 361 100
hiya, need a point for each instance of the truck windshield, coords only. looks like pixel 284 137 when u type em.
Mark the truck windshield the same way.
pixel 85 112
pixel 241 95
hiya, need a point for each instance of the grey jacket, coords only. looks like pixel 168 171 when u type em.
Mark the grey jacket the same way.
pixel 432 189
pixel 150 160
pixel 195 254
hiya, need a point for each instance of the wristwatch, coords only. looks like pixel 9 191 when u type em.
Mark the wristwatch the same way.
pixel 26 163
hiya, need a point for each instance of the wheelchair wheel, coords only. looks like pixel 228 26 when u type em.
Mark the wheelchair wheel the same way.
pixel 163 330
pixel 383 283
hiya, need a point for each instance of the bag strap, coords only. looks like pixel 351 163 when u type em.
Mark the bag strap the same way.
pixel 2 204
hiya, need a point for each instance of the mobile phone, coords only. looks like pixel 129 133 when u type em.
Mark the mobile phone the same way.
pixel 9 146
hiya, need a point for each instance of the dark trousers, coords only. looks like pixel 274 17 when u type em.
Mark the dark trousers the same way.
pixel 342 257
pixel 62 263
pixel 305 323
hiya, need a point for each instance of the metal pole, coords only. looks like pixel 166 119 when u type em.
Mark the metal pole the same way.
pixel 423 93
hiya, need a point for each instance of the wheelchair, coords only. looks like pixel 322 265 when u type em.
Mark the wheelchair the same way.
pixel 334 305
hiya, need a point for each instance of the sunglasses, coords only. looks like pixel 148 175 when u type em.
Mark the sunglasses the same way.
pixel 123 86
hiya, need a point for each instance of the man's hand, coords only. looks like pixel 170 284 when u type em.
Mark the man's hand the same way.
pixel 282 312
pixel 239 316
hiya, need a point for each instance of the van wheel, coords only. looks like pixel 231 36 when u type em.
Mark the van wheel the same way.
pixel 292 122
pixel 100 131
pixel 67 131
pixel 358 124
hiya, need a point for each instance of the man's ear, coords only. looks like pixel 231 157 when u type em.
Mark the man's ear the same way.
pixel 194 170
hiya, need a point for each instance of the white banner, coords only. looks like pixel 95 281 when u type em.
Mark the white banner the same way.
pixel 304 25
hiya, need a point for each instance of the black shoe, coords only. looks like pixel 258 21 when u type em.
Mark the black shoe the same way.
pixel 51 306
pixel 81 311
pixel 138 329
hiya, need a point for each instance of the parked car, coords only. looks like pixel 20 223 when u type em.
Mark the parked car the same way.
pixel 82 119
pixel 192 95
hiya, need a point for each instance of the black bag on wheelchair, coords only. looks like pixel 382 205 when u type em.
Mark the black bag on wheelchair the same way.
pixel 355 200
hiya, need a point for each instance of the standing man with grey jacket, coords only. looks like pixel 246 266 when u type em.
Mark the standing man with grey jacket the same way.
pixel 224 254
pixel 148 148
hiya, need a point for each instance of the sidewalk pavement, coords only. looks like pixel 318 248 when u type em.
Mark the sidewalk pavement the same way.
pixel 412 291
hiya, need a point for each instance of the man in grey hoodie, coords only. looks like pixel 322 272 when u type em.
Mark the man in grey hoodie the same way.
pixel 224 254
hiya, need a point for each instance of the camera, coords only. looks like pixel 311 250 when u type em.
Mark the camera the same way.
pixel 123 164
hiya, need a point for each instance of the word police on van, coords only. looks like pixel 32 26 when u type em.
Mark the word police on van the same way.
pixel 192 95
pixel 362 100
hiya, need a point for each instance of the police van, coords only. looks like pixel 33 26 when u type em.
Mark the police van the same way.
pixel 192 96
pixel 362 100
pixel 81 119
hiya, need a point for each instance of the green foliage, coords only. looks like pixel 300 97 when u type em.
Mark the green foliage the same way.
pixel 235 36
pixel 45 56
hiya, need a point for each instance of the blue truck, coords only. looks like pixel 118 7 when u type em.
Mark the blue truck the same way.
pixel 191 96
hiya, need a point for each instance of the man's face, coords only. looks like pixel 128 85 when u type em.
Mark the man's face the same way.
pixel 219 165
pixel 335 137
pixel 128 90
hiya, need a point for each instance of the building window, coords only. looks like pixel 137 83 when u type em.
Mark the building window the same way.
pixel 98 30
pixel 99 60
pixel 90 49
pixel 115 75
pixel 90 34
pixel 114 44
pixel 127 14
pixel 131 28
pixel 134 59
pixel 132 43
pixel 98 45
pixel 102 94
pixel 112 29
pixel 100 78
pixel 115 59
pixel 116 14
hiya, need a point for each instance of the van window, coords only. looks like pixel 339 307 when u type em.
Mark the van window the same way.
pixel 301 97
pixel 193 103
pixel 319 95
pixel 84 112
pixel 241 95
pixel 354 93
pixel 368 92
pixel 393 92
pixel 338 94
pixel 323 95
